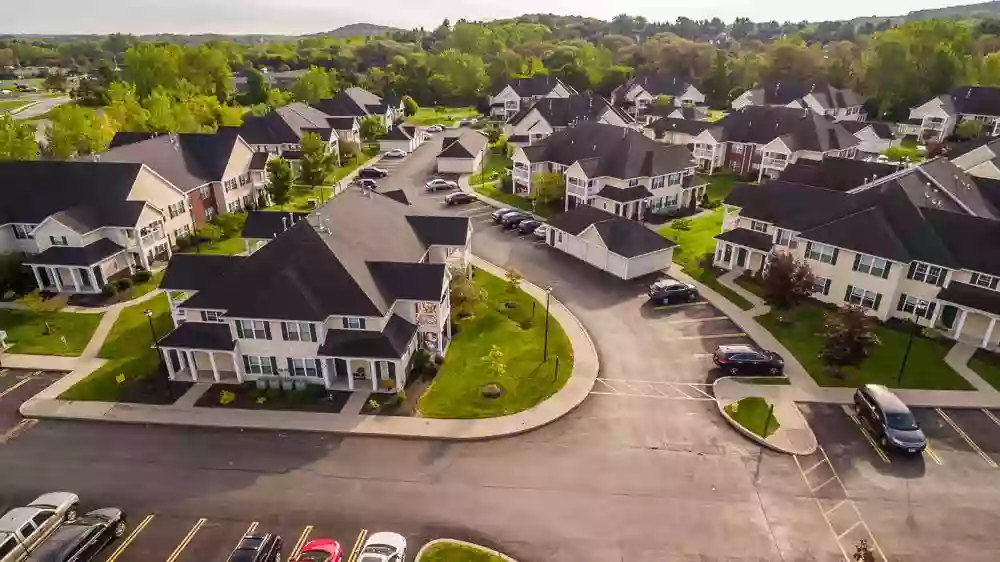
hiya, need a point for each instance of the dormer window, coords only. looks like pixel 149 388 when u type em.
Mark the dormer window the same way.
pixel 758 226
pixel 354 323
pixel 983 280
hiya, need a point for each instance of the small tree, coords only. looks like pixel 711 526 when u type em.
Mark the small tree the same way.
pixel 787 280
pixel 513 279
pixel 495 363
pixel 968 129
pixel 410 106
pixel 493 133
pixel 547 187
pixel 849 336
pixel 465 294
pixel 349 149
pixel 372 127
pixel 55 81
pixel 317 161
pixel 279 180
pixel 663 100
pixel 208 233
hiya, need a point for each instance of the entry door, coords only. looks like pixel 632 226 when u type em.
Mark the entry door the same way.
pixel 948 314
pixel 741 257
pixel 729 254
pixel 43 272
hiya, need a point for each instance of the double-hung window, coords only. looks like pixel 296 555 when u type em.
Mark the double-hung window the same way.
pixel 634 182
pixel 253 329
pixel 737 148
pixel 659 182
pixel 821 253
pixel 821 285
pixel 24 231
pixel 782 237
pixel 211 316
pixel 758 226
pixel 298 331
pixel 298 367
pixel 354 323
pixel 983 280
pixel 858 296
pixel 872 265
pixel 257 365
pixel 926 273
pixel 916 306
pixel 58 240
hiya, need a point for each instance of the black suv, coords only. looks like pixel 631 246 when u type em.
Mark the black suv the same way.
pixel 747 360
pixel 890 419
pixel 372 173
pixel 666 291
pixel 82 539
pixel 257 548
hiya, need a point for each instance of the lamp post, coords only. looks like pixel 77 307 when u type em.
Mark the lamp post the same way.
pixel 156 343
pixel 545 345
pixel 910 329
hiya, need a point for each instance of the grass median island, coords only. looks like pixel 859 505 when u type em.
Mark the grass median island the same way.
pixel 494 165
pixel 452 552
pixel 518 332
pixel 493 191
pixel 39 332
pixel 802 330
pixel 130 352
pixel 446 116
pixel 754 413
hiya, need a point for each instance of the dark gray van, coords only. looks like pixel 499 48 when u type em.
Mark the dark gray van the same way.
pixel 889 418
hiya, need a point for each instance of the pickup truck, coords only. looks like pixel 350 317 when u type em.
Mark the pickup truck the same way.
pixel 22 529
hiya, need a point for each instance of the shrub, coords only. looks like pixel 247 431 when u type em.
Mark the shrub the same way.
pixel 681 224
pixel 124 284
pixel 142 276
pixel 230 223
pixel 109 290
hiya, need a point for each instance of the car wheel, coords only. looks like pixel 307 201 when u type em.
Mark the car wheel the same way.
pixel 71 512
pixel 120 527
pixel 734 371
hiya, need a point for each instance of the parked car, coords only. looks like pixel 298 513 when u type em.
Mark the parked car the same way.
pixel 257 548
pixel 82 539
pixel 396 153
pixel 889 418
pixel 438 184
pixel 459 198
pixel 367 183
pixel 435 128
pixel 383 547
pixel 426 136
pixel 24 528
pixel 542 231
pixel 372 172
pixel 747 360
pixel 319 550
pixel 511 220
pixel 465 122
pixel 528 226
pixel 499 213
pixel 666 291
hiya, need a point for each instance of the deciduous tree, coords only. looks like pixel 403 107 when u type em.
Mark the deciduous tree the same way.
pixel 410 106
pixel 317 160
pixel 313 85
pixel 17 139
pixel 547 187
pixel 849 336
pixel 787 280
pixel 279 180
pixel 371 127
pixel 968 129
pixel 76 130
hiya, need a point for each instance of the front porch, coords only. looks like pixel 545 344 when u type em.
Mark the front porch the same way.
pixel 83 269
pixel 201 352
pixel 742 250
pixel 969 314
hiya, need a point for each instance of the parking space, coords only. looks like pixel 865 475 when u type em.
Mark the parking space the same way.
pixel 16 386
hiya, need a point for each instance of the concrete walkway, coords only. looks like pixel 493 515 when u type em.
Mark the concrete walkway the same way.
pixel 794 436
pixel 463 184
pixel 47 404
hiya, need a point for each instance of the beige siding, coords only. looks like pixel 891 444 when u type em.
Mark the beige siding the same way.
pixel 52 227
pixel 160 194
pixel 642 265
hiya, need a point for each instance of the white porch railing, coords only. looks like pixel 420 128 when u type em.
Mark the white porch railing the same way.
pixel 771 162
pixel 702 153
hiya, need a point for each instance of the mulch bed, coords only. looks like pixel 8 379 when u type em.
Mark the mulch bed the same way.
pixel 313 398
pixel 153 389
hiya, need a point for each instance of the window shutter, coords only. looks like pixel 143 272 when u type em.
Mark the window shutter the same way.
pixel 239 329
pixel 312 332
pixel 809 246
pixel 993 284
pixel 291 368
pixel 974 280
pixel 941 276
pixel 913 267
pixel 204 317
pixel 902 301
pixel 319 366
pixel 267 329
pixel 836 252
pixel 274 364
pixel 847 295
pixel 885 272
pixel 826 286
pixel 246 364
pixel 284 331
pixel 878 300
pixel 345 322
pixel 857 261
pixel 930 310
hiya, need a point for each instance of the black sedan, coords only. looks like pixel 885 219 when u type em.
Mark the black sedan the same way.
pixel 666 291
pixel 83 538
pixel 747 360
pixel 257 548
pixel 459 198
pixel 514 219
pixel 372 173
pixel 528 227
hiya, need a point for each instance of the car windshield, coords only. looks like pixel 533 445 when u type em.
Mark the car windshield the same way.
pixel 903 421
pixel 313 556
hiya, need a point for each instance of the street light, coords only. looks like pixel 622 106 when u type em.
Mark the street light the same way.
pixel 545 345
pixel 911 329
pixel 156 343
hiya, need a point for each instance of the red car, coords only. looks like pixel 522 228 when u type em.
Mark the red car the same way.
pixel 320 550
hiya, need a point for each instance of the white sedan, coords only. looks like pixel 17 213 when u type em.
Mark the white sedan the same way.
pixel 542 231
pixel 438 184
pixel 383 547
pixel 434 129
pixel 396 153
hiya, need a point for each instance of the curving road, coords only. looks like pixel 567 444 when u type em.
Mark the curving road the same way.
pixel 43 106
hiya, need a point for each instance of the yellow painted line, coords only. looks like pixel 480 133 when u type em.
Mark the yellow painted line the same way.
pixel 187 538
pixel 831 479
pixel 302 540
pixel 849 529
pixel 826 518
pixel 992 417
pixel 966 437
pixel 17 430
pixel 930 452
pixel 834 508
pixel 359 543
pixel 4 372
pixel 128 540
pixel 868 438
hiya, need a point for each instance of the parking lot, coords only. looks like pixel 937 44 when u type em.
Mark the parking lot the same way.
pixel 16 386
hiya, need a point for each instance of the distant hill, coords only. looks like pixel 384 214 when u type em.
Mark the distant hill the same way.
pixel 964 12
pixel 357 30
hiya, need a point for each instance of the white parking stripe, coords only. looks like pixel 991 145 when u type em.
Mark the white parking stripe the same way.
pixel 694 320
pixel 713 336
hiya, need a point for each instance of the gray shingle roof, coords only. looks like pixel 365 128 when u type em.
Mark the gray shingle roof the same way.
pixel 840 174
pixel 285 125
pixel 187 160
pixel 388 344
pixel 85 256
pixel 784 92
pixel 268 224
pixel 670 124
pixel 467 143
pixel 201 335
pixel 539 85
pixel 196 272
pixel 624 194
pixel 799 129
pixel 971 296
pixel 564 112
pixel 978 100
pixel 622 236
pixel 748 238
pixel 351 102
pixel 611 151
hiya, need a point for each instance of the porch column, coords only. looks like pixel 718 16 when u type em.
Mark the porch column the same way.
pixel 169 363
pixel 238 366
pixel 38 278
pixel 350 374
pixel 74 277
pixel 732 255
pixel 192 366
pixel 326 372
pixel 711 165
pixel 54 271
pixel 961 323
pixel 215 369
pixel 374 376
pixel 170 252
pixel 143 259
pixel 989 332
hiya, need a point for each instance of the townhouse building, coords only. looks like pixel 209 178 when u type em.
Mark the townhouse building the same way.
pixel 842 104
pixel 638 95
pixel 978 157
pixel 83 224
pixel 613 168
pixel 520 93
pixel 759 141
pixel 937 118
pixel 215 170
pixel 875 136
pixel 360 103
pixel 325 302
pixel 914 244
pixel 548 115
pixel 280 131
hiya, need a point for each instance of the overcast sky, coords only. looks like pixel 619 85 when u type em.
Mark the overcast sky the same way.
pixel 309 16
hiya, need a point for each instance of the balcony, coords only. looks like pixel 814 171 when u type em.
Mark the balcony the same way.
pixel 933 124
pixel 702 153
pixel 772 162
pixel 151 239
pixel 577 190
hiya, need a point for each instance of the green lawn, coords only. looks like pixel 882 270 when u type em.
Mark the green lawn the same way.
pixel 987 365
pixel 228 246
pixel 349 166
pixel 445 552
pixel 11 105
pixel 130 352
pixel 298 198
pixel 517 202
pixel 446 116
pixel 694 245
pixel 802 334
pixel 714 115
pixel 753 413
pixel 495 164
pixel 720 185
pixel 519 333
pixel 27 333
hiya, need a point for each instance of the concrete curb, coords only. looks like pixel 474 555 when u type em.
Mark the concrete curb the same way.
pixel 463 184
pixel 773 395
pixel 586 366
pixel 423 550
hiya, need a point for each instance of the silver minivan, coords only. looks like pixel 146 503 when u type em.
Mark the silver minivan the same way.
pixel 24 528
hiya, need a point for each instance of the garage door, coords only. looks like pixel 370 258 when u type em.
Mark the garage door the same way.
pixel 578 248
pixel 616 265
pixel 597 256
pixel 649 263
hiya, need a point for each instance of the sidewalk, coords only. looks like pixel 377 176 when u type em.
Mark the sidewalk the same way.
pixel 46 404
pixel 794 436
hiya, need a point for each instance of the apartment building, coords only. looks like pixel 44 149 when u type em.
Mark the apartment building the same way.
pixel 842 104
pixel 360 103
pixel 913 244
pixel 520 93
pixel 84 224
pixel 326 301
pixel 638 95
pixel 548 115
pixel 937 118
pixel 281 131
pixel 613 168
